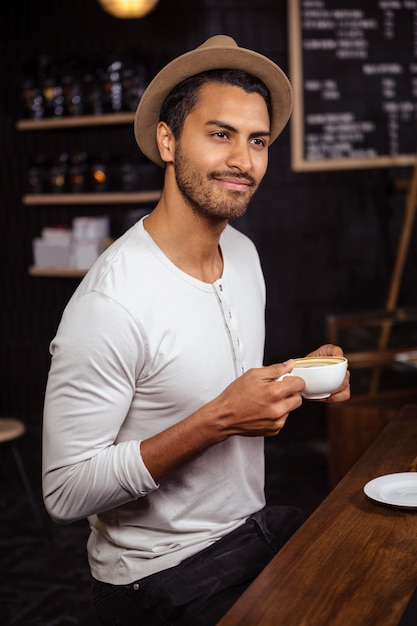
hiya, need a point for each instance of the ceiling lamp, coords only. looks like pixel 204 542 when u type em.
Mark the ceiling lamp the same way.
pixel 127 9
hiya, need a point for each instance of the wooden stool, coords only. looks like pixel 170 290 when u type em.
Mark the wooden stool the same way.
pixel 10 430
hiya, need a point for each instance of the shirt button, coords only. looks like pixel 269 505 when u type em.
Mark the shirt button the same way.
pixel 220 287
pixel 136 586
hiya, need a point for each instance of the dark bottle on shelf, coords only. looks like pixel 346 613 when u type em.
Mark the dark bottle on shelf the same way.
pixel 48 91
pixel 58 100
pixel 38 175
pixel 112 87
pixel 104 173
pixel 73 97
pixel 58 174
pixel 33 103
pixel 78 173
pixel 138 176
pixel 50 82
pixel 99 174
pixel 91 80
pixel 129 175
pixel 75 100
pixel 134 81
pixel 53 96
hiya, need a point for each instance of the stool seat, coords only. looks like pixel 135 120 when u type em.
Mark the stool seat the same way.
pixel 11 428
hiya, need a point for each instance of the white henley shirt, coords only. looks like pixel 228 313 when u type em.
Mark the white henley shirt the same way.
pixel 142 345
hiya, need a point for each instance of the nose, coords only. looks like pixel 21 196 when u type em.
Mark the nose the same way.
pixel 239 156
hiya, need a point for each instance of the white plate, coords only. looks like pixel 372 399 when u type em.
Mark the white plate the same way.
pixel 394 489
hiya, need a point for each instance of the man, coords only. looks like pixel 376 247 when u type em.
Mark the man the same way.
pixel 157 402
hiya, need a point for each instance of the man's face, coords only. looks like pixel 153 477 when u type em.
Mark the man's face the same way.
pixel 222 154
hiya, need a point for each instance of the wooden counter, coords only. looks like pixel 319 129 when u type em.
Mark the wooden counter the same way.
pixel 354 561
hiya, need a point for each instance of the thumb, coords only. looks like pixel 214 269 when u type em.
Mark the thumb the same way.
pixel 278 369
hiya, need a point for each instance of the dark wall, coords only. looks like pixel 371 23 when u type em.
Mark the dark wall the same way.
pixel 327 240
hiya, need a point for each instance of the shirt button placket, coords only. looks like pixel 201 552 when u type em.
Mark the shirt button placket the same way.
pixel 233 330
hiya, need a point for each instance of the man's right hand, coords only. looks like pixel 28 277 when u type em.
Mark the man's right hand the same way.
pixel 254 405
pixel 257 404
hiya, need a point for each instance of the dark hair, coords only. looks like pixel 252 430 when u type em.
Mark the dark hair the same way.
pixel 182 99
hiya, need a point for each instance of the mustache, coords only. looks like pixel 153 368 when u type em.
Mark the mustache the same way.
pixel 241 177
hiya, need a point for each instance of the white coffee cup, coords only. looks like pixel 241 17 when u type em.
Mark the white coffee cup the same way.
pixel 322 375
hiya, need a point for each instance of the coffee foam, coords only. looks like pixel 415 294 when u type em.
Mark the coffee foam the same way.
pixel 318 361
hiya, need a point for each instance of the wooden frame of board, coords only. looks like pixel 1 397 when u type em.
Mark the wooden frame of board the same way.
pixel 299 162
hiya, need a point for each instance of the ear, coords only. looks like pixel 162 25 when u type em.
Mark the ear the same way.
pixel 165 141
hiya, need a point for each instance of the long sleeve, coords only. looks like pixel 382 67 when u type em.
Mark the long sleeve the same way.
pixel 97 355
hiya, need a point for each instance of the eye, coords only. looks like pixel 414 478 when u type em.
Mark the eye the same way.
pixel 221 134
pixel 258 141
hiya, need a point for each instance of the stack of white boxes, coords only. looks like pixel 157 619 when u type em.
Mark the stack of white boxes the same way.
pixel 63 248
pixel 53 249
pixel 88 240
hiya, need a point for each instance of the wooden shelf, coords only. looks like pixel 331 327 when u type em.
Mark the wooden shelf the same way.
pixel 56 272
pixel 80 120
pixel 118 197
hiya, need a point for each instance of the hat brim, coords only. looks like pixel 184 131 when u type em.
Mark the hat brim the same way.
pixel 219 52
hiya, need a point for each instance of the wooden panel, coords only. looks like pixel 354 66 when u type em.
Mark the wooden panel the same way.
pixel 354 425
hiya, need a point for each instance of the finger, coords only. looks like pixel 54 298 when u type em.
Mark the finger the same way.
pixel 338 396
pixel 328 349
pixel 274 371
pixel 287 401
pixel 343 393
pixel 288 384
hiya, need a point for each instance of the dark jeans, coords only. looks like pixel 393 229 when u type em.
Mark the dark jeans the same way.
pixel 201 589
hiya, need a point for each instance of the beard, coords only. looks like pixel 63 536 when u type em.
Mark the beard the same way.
pixel 207 199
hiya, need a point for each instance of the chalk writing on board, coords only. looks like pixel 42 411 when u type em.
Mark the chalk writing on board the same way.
pixel 353 66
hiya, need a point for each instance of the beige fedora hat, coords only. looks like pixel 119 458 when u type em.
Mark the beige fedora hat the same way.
pixel 220 51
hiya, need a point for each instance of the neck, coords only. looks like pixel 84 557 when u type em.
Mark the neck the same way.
pixel 187 239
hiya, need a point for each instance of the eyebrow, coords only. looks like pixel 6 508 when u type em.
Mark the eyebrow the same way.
pixel 220 124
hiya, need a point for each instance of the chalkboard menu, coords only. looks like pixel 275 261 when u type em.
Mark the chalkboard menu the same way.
pixel 353 67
